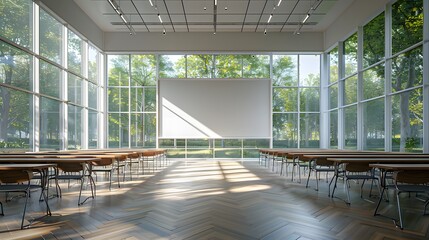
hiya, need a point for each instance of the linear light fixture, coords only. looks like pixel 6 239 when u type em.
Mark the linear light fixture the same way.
pixel 115 7
pixel 151 3
pixel 306 18
pixel 269 19
pixel 159 17
pixel 215 2
pixel 278 4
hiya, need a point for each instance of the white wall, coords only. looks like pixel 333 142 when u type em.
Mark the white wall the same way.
pixel 76 18
pixel 357 14
pixel 208 42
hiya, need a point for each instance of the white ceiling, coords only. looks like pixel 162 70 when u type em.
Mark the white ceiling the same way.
pixel 227 16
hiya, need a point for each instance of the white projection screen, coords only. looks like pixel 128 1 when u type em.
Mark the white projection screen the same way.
pixel 214 108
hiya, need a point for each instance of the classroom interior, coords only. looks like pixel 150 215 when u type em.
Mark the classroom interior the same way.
pixel 214 119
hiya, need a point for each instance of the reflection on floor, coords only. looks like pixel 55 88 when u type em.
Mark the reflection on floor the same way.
pixel 208 199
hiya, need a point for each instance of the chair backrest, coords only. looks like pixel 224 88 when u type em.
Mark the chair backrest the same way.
pixel 323 162
pixel 15 176
pixel 411 177
pixel 103 162
pixel 70 167
pixel 357 167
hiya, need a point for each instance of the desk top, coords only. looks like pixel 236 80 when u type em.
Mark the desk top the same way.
pixel 31 166
pixel 398 167
pixel 23 160
pixel 385 159
pixel 310 157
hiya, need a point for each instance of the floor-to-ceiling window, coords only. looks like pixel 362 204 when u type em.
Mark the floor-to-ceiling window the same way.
pixel 49 86
pixel 381 89
pixel 296 80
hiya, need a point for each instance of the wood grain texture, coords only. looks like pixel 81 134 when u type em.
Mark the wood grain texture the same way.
pixel 210 199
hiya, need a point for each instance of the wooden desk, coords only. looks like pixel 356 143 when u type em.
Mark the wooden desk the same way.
pixel 40 168
pixel 85 162
pixel 368 160
pixel 413 169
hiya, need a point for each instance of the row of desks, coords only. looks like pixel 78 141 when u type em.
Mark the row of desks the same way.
pixel 42 161
pixel 385 161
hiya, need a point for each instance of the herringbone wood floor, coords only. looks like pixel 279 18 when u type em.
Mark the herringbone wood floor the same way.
pixel 209 199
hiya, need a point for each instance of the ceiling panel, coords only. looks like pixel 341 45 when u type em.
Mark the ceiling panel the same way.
pixel 238 19
pixel 200 20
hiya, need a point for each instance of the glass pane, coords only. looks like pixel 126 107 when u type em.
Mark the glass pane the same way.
pixel 250 153
pixel 50 77
pixel 172 66
pixel 176 153
pixel 118 130
pixel 285 99
pixel 309 70
pixel 407 24
pixel 137 99
pixel 118 70
pixel 350 122
pixel 198 143
pixel 333 129
pixel 350 90
pixel 309 130
pixel 407 121
pixel 143 99
pixel 92 64
pixel 333 65
pixel 373 37
pixel 228 66
pixel 149 126
pixel 50 37
pixel 350 55
pixel 17 14
pixel 227 143
pixel 373 82
pixel 15 126
pixel 74 54
pixel 256 143
pixel 285 70
pixel 227 153
pixel 150 99
pixel 118 99
pixel 137 134
pixel 92 129
pixel 143 70
pixel 92 95
pixel 407 70
pixel 49 124
pixel 200 153
pixel 199 66
pixel 285 130
pixel 256 66
pixel 309 99
pixel 333 96
pixel 15 67
pixel 74 127
pixel 74 89
pixel 373 127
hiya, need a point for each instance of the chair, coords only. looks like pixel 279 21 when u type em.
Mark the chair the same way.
pixel 318 166
pixel 76 171
pixel 411 181
pixel 358 171
pixel 149 156
pixel 106 165
pixel 19 181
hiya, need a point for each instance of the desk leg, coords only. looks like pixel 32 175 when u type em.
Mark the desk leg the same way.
pixel 336 172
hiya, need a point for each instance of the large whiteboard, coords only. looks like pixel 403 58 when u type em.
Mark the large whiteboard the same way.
pixel 214 108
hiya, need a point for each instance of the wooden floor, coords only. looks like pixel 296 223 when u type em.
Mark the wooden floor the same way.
pixel 210 199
